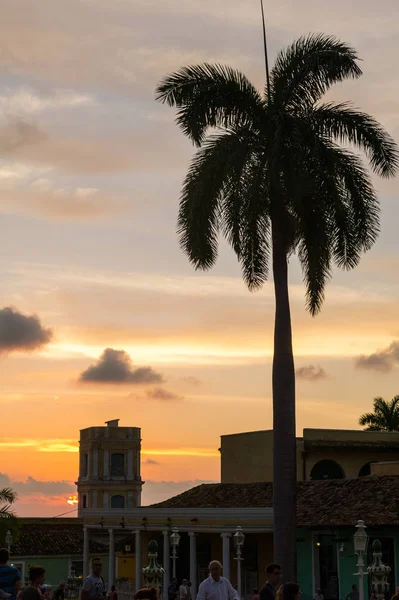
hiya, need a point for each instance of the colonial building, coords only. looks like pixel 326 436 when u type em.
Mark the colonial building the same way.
pixel 109 472
pixel 321 454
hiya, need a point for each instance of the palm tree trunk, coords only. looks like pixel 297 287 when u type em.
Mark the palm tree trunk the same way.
pixel 284 437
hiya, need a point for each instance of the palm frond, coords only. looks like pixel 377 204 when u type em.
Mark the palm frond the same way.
pixel 306 70
pixel 209 95
pixel 255 229
pixel 8 495
pixel 349 125
pixel 215 166
pixel 6 512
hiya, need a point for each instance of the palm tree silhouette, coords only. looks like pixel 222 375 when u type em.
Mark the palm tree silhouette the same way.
pixel 274 179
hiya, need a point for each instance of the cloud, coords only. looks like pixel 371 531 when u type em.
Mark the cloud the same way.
pixel 311 373
pixel 25 100
pixel 21 332
pixel 32 485
pixel 191 380
pixel 162 394
pixel 150 462
pixel 383 360
pixel 115 366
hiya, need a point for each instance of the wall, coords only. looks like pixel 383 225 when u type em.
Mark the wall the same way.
pixel 57 567
pixel 248 457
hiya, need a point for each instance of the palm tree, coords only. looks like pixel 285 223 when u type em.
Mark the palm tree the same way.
pixel 273 179
pixel 7 499
pixel 385 416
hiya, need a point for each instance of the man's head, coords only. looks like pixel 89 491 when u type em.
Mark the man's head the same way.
pixel 97 566
pixel 4 556
pixel 215 569
pixel 184 582
pixel 354 587
pixel 318 591
pixel 273 573
pixel 36 575
pixel 62 585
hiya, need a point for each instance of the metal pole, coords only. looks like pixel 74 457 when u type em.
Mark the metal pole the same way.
pixel 360 564
pixel 239 572
pixel 174 561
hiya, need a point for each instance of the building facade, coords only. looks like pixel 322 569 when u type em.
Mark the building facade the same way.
pixel 321 454
pixel 109 467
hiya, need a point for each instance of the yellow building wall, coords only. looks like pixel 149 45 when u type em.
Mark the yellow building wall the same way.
pixel 126 566
pixel 385 468
pixel 248 457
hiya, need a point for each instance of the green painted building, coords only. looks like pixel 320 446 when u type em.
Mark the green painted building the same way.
pixel 56 545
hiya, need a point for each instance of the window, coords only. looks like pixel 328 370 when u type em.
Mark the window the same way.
pixel 365 470
pixel 76 568
pixel 327 469
pixel 117 502
pixel 118 464
pixel 84 501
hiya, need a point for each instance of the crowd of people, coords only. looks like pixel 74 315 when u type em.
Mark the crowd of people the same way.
pixel 214 587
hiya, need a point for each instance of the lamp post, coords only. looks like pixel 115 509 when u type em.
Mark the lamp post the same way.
pixel 8 540
pixel 239 538
pixel 174 540
pixel 360 541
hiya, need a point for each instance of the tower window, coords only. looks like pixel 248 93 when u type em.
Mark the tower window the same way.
pixel 118 464
pixel 84 501
pixel 117 502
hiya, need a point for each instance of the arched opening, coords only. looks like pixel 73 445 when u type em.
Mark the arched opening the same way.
pixel 117 464
pixel 327 469
pixel 117 502
pixel 365 470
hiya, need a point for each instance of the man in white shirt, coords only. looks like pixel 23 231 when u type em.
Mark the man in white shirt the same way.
pixel 183 592
pixel 216 587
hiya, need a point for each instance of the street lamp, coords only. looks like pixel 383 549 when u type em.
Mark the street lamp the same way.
pixel 174 540
pixel 239 538
pixel 8 540
pixel 360 541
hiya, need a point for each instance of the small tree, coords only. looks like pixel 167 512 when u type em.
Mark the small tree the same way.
pixel 8 519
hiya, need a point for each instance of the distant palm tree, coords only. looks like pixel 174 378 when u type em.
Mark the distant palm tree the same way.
pixel 385 416
pixel 7 499
pixel 274 180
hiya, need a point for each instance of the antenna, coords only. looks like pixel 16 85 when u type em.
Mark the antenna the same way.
pixel 265 49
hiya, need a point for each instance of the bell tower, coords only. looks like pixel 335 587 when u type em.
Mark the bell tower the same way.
pixel 109 467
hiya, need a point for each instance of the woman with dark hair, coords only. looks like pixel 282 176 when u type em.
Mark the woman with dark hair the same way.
pixel 146 594
pixel 288 591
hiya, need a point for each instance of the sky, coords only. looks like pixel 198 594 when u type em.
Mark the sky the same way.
pixel 101 315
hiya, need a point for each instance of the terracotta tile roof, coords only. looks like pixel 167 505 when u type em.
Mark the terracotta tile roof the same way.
pixel 50 538
pixel 320 503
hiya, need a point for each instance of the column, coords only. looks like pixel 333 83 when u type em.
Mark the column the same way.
pixel 137 457
pixel 89 463
pixel 193 563
pixel 105 500
pixel 130 464
pixel 94 500
pixel 226 554
pixel 111 571
pixel 106 464
pixel 95 463
pixel 166 564
pixel 138 558
pixel 85 552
